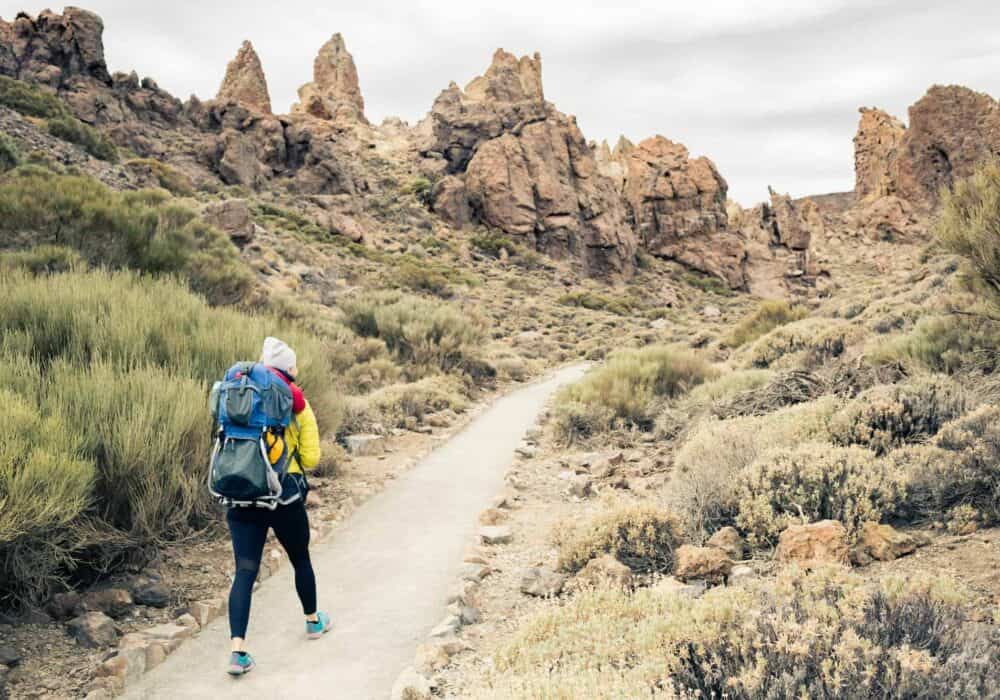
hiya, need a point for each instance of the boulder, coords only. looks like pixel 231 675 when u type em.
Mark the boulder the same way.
pixel 115 602
pixel 605 570
pixel 233 218
pixel 495 534
pixel 580 486
pixel 813 544
pixel 541 582
pixel 450 201
pixel 888 218
pixel 245 83
pixel 448 626
pixel 64 605
pixel 677 206
pixel 365 445
pixel 884 542
pixel 705 563
pixel 334 93
pixel 9 656
pixel 876 147
pixel 729 541
pixel 93 630
pixel 741 574
pixel 411 685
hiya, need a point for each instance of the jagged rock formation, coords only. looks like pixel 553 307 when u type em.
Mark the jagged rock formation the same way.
pixel 334 94
pixel 525 168
pixel 245 82
pixel 677 206
pixel 952 129
pixel 876 147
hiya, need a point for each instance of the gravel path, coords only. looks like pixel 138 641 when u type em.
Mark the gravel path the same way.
pixel 383 577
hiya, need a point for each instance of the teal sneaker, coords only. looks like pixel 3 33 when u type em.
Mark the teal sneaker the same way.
pixel 240 664
pixel 315 630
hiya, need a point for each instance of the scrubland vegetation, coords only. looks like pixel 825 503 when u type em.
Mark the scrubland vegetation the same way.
pixel 878 409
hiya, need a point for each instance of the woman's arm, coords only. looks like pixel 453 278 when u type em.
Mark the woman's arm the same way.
pixel 308 443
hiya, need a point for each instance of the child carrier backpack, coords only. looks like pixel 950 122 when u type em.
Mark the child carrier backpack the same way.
pixel 251 407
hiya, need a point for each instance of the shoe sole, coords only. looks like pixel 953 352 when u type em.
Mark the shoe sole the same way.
pixel 241 670
pixel 317 635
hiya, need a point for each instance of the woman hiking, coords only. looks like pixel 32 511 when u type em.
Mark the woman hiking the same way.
pixel 249 526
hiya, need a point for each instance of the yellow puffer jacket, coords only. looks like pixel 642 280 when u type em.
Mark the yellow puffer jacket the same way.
pixel 305 437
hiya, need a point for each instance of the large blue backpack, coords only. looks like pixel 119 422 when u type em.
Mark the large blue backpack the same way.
pixel 250 402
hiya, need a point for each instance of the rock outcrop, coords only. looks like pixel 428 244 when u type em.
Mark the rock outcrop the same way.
pixel 952 129
pixel 334 93
pixel 245 83
pixel 527 169
pixel 876 147
pixel 677 206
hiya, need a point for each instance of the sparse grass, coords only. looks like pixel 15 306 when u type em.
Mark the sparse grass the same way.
pixel 641 536
pixel 837 636
pixel 764 319
pixel 627 390
pixel 707 283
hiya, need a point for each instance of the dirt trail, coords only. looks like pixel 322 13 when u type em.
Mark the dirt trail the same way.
pixel 383 577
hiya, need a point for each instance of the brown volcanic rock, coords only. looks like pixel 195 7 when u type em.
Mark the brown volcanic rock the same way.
pixel 813 544
pixel 542 183
pixel 952 129
pixel 506 97
pixel 678 207
pixel 245 82
pixel 334 94
pixel 52 48
pixel 876 147
pixel 789 226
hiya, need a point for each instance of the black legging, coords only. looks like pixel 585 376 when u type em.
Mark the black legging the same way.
pixel 249 527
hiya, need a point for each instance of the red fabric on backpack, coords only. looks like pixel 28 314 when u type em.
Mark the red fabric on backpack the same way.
pixel 298 398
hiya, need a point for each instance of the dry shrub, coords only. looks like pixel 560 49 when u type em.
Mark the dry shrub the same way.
pixel 431 336
pixel 627 391
pixel 639 535
pixel 399 404
pixel 726 385
pixel 785 389
pixel 811 341
pixel 702 487
pixel 960 468
pixel 950 344
pixel 824 635
pixel 768 315
pixel 815 481
pixel 886 417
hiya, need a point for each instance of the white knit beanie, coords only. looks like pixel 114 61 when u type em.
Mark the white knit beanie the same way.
pixel 277 354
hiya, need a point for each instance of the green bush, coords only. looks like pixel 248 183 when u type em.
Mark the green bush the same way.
pixel 707 283
pixel 141 230
pixel 886 417
pixel 422 278
pixel 115 368
pixel 173 181
pixel 764 319
pixel 828 634
pixel 10 156
pixel 814 481
pixel 597 302
pixel 45 485
pixel 42 259
pixel 814 339
pixel 88 138
pixel 428 335
pixel 949 344
pixel 493 244
pixel 27 99
pixel 629 389
pixel 703 485
pixel 968 224
pixel 641 536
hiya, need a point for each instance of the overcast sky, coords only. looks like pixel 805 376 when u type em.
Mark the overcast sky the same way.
pixel 768 90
